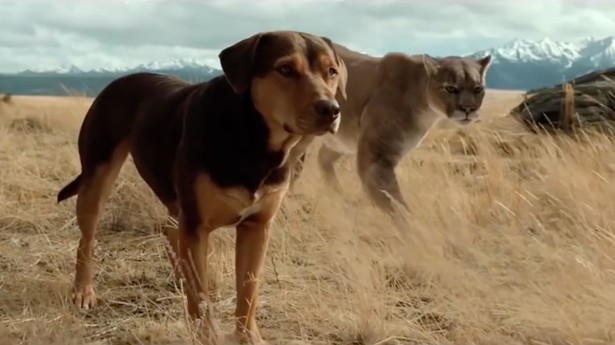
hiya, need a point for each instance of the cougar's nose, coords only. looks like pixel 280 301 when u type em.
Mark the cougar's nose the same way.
pixel 467 108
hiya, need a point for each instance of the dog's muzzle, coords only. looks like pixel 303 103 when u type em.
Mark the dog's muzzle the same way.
pixel 335 125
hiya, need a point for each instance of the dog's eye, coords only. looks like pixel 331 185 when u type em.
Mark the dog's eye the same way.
pixel 332 72
pixel 451 89
pixel 285 70
pixel 478 89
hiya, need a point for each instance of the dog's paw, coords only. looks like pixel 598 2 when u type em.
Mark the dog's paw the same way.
pixel 84 297
pixel 243 338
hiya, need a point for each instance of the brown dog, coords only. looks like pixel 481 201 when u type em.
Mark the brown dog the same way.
pixel 217 153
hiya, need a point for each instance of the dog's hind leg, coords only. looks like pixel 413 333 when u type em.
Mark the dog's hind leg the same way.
pixel 94 190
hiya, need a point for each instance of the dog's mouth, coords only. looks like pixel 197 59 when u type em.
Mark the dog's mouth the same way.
pixel 288 129
pixel 329 128
pixel 314 130
pixel 334 126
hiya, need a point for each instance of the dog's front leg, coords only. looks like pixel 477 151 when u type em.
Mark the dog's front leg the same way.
pixel 192 246
pixel 250 250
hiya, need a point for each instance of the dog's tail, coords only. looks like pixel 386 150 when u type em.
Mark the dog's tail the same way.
pixel 70 189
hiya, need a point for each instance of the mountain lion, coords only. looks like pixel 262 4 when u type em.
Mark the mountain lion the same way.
pixel 392 101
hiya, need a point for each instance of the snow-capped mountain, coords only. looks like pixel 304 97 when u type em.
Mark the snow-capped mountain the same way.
pixel 55 81
pixel 525 64
pixel 519 64
pixel 176 64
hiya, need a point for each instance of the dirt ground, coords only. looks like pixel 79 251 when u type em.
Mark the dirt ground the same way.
pixel 512 242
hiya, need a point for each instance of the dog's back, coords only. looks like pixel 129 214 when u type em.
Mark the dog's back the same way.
pixel 115 110
pixel 124 105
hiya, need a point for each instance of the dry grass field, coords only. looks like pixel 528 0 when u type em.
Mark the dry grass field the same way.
pixel 511 242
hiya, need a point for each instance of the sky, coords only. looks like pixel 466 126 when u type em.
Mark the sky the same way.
pixel 114 34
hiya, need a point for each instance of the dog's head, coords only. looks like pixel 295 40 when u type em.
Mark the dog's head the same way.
pixel 293 78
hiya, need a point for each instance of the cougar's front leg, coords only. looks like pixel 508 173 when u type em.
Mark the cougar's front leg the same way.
pixel 378 153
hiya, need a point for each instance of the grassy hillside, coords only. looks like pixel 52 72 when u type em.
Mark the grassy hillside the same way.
pixel 511 243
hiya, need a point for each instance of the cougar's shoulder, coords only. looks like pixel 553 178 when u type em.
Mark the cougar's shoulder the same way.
pixel 362 73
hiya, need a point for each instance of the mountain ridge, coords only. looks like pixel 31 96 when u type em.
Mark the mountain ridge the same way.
pixel 518 64
pixel 526 64
pixel 168 64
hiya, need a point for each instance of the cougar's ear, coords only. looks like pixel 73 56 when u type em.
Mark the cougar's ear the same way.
pixel 342 71
pixel 431 65
pixel 342 75
pixel 484 63
pixel 238 62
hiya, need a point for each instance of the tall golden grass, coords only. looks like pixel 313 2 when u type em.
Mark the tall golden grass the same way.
pixel 511 242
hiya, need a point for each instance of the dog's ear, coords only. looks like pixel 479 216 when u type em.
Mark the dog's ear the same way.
pixel 341 68
pixel 238 62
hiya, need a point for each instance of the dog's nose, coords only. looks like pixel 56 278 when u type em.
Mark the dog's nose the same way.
pixel 327 108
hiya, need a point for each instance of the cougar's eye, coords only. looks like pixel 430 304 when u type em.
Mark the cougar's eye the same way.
pixel 332 72
pixel 478 89
pixel 286 70
pixel 451 89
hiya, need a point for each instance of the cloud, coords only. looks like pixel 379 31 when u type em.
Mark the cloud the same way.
pixel 93 34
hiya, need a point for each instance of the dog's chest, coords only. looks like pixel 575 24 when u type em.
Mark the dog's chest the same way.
pixel 219 207
pixel 253 204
